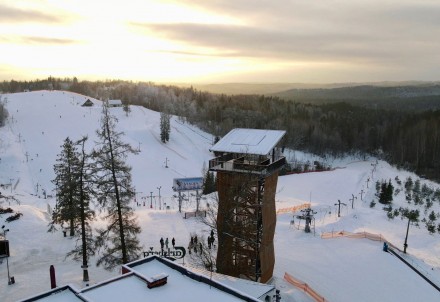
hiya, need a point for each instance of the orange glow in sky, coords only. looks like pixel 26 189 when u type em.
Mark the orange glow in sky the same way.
pixel 220 41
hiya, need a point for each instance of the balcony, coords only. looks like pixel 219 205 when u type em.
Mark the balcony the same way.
pixel 257 165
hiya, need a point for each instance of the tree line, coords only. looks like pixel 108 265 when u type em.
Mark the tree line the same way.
pixel 406 138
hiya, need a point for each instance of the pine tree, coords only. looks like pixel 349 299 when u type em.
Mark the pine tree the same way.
pixel 85 190
pixel 389 192
pixel 386 192
pixel 66 210
pixel 383 193
pixel 209 185
pixel 118 240
pixel 74 189
pixel 126 108
pixel 164 127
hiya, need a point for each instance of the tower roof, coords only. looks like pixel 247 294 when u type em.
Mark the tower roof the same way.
pixel 249 141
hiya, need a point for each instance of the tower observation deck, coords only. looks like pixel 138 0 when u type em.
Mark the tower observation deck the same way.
pixel 247 163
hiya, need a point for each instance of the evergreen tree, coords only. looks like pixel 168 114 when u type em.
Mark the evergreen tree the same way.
pixel 66 208
pixel 126 108
pixel 164 127
pixel 118 240
pixel 73 190
pixel 383 193
pixel 83 174
pixel 209 183
pixel 409 184
pixel 386 192
pixel 389 192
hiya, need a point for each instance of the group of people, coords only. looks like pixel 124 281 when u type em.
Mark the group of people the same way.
pixel 193 245
pixel 211 240
pixel 166 242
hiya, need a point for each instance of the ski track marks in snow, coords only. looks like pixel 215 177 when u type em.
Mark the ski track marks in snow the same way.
pixel 165 146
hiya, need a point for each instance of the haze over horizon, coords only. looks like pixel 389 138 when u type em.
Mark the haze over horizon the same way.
pixel 219 41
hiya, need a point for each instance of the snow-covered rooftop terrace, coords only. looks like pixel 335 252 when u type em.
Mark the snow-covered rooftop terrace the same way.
pixel 249 141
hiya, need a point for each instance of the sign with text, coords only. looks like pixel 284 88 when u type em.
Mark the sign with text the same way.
pixel 187 184
pixel 178 252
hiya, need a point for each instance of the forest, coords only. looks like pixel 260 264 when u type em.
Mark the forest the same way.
pixel 404 130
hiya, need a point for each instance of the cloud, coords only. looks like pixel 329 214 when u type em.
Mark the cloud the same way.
pixel 371 32
pixel 45 40
pixel 10 14
pixel 26 40
pixel 248 41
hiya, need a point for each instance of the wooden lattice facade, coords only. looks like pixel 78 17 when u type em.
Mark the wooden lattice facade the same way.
pixel 246 218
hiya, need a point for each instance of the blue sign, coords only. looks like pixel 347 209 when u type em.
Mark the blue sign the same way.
pixel 187 184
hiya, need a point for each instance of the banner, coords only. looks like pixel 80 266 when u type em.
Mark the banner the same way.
pixel 187 184
pixel 178 252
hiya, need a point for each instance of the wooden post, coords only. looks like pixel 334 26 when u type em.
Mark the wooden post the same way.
pixel 53 282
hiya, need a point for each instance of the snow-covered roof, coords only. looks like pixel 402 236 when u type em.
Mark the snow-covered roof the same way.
pixel 114 102
pixel 88 103
pixel 60 294
pixel 186 285
pixel 182 285
pixel 254 289
pixel 249 141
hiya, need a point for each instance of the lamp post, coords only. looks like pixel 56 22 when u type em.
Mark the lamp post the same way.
pixel 413 216
pixel 405 245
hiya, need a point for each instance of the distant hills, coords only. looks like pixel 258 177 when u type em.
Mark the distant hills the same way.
pixel 364 92
pixel 416 96
pixel 290 89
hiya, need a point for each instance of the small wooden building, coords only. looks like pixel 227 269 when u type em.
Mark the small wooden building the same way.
pixel 114 103
pixel 88 103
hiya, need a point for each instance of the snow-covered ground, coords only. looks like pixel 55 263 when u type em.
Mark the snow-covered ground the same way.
pixel 339 269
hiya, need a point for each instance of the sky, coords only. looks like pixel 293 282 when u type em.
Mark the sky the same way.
pixel 220 41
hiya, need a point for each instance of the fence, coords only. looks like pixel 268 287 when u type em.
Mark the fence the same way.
pixel 371 236
pixel 194 214
pixel 305 287
pixel 294 209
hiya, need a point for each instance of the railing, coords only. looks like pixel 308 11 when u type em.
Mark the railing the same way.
pixel 229 163
pixel 194 214
pixel 305 287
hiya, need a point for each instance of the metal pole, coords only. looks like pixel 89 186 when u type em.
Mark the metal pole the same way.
pixel 7 258
pixel 405 245
pixel 151 200
pixel 197 200
pixel 7 265
pixel 160 207
pixel 352 200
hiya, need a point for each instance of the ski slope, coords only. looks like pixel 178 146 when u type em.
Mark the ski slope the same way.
pixel 339 269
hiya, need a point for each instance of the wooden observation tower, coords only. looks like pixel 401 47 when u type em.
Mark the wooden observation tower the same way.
pixel 247 163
